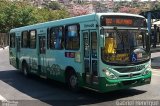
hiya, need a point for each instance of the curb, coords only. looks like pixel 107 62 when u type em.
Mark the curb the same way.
pixel 155 67
pixel 155 50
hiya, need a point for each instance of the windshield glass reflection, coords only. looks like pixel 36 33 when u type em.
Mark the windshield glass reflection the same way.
pixel 125 46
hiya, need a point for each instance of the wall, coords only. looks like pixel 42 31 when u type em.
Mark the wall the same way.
pixel 4 40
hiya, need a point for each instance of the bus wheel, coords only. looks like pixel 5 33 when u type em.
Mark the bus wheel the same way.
pixel 73 82
pixel 25 69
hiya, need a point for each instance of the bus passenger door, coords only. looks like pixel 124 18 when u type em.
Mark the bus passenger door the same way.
pixel 41 56
pixel 90 57
pixel 17 51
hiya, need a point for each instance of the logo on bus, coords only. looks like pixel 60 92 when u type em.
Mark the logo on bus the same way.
pixel 138 68
pixel 130 75
pixel 88 25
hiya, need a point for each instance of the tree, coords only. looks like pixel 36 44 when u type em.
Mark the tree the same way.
pixel 17 14
pixel 78 10
pixel 14 15
pixel 54 6
pixel 44 15
pixel 156 6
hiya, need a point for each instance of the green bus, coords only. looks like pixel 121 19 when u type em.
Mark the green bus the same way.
pixel 100 51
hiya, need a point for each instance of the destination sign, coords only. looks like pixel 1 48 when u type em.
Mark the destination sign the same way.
pixel 123 21
pixel 111 21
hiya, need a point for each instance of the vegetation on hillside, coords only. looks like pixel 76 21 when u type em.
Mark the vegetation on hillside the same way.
pixel 17 14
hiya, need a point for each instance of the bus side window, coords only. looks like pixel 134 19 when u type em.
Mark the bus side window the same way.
pixel 25 39
pixel 52 38
pixel 32 39
pixel 12 40
pixel 86 45
pixel 42 45
pixel 72 37
pixel 94 44
pixel 56 38
pixel 48 38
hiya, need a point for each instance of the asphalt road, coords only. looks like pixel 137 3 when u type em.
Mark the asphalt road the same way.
pixel 18 90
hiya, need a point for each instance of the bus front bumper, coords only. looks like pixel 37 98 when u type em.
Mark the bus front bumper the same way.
pixel 107 85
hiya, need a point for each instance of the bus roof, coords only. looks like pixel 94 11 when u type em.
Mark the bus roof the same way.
pixel 72 20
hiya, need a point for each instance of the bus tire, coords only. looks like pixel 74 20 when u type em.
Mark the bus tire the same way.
pixel 25 69
pixel 72 81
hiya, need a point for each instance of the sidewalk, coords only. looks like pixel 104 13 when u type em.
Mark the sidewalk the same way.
pixel 157 49
pixel 155 61
pixel 7 47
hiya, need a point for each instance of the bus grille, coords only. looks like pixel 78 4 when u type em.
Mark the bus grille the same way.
pixel 129 76
pixel 130 82
pixel 130 69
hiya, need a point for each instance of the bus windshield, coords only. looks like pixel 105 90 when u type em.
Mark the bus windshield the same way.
pixel 125 46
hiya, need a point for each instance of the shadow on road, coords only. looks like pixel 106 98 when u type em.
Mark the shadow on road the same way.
pixel 57 94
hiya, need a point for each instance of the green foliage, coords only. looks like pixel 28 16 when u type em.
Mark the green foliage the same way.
pixel 17 14
pixel 44 15
pixel 14 15
pixel 54 6
pixel 156 6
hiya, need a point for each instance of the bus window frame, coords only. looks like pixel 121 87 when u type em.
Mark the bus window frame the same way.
pixel 66 35
pixel 49 38
pixel 30 38
pixel 10 44
pixel 28 42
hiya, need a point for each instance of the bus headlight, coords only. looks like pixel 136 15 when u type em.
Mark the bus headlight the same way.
pixel 148 67
pixel 109 74
pixel 146 72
